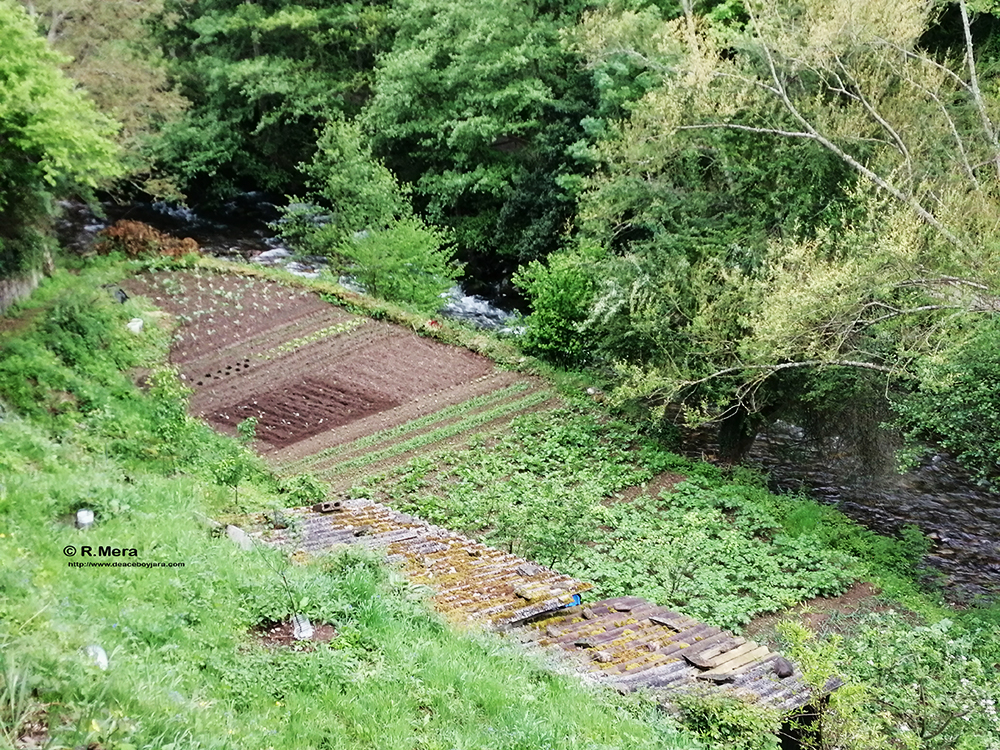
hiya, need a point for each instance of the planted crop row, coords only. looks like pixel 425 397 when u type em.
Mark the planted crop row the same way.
pixel 442 415
pixel 298 343
pixel 443 433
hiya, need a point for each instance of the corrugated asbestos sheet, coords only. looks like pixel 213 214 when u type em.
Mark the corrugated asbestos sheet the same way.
pixel 626 642
pixel 632 643
pixel 471 582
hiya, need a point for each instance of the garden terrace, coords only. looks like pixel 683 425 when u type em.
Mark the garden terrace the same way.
pixel 354 401
pixel 333 393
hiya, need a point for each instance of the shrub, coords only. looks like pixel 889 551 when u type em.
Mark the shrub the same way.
pixel 407 262
pixel 303 489
pixel 730 723
pixel 136 240
pixel 958 402
pixel 561 294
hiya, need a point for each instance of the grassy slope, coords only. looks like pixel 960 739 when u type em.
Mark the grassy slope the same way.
pixel 183 670
pixel 182 666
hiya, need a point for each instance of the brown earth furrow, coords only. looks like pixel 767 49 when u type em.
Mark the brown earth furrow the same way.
pixel 259 343
pixel 215 318
pixel 391 418
pixel 419 407
pixel 375 357
pixel 350 455
pixel 282 372
pixel 354 383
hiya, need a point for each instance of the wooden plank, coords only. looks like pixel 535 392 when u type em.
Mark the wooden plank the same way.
pixel 708 658
pixel 671 620
pixel 692 652
pixel 722 658
pixel 728 667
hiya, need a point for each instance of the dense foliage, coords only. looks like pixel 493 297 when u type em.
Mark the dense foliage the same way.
pixel 724 205
pixel 261 78
pixel 52 138
pixel 731 211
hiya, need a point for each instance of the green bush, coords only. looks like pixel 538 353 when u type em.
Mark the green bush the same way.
pixel 407 262
pixel 303 489
pixel 561 292
pixel 957 404
pixel 727 723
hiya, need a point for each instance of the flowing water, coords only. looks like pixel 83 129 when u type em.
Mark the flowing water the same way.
pixel 960 515
pixel 240 233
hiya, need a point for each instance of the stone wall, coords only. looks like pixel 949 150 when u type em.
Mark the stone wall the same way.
pixel 16 288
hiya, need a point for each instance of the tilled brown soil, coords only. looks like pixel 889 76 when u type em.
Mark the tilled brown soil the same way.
pixel 421 406
pixel 304 368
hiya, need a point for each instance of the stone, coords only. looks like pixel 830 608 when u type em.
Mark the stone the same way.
pixel 783 668
pixel 528 569
pixel 84 518
pixel 589 614
pixel 239 536
pixel 363 531
pixel 552 632
pixel 603 657
pixel 273 256
pixel 583 643
pixel 97 655
pixel 302 629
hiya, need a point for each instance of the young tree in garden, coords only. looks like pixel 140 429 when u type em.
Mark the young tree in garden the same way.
pixel 52 140
pixel 370 229
pixel 870 244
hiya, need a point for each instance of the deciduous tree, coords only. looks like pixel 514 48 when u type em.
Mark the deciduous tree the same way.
pixel 52 139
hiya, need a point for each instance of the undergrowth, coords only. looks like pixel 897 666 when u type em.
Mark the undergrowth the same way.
pixel 718 549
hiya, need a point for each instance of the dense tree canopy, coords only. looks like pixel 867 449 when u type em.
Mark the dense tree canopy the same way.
pixel 262 77
pixel 52 138
pixel 112 54
pixel 810 190
pixel 743 207
pixel 480 107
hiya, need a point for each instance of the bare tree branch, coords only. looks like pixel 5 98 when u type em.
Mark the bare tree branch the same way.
pixel 883 123
pixel 770 369
pixel 969 171
pixel 977 94
pixel 877 179
pixel 748 128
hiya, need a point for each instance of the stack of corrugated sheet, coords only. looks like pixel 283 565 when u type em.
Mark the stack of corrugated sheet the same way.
pixel 627 642
pixel 632 643
pixel 471 582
